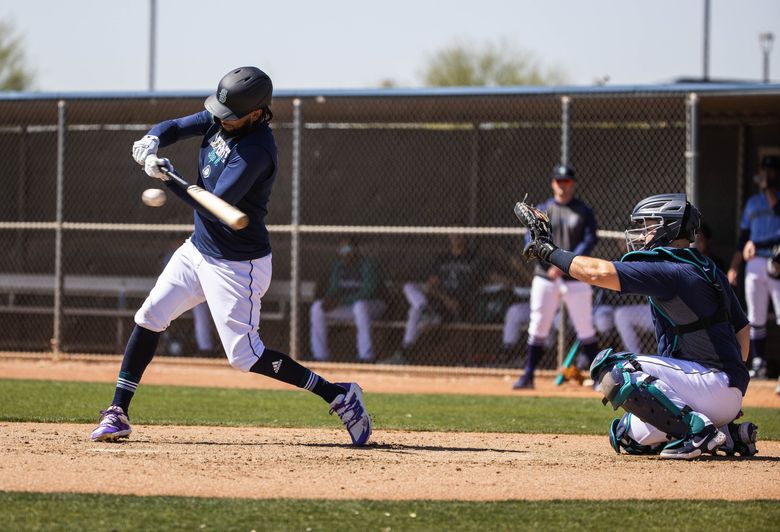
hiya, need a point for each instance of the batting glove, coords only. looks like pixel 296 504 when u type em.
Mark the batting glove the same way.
pixel 144 148
pixel 153 166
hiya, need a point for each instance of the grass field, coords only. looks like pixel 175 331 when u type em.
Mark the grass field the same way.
pixel 26 511
pixel 45 401
pixel 59 401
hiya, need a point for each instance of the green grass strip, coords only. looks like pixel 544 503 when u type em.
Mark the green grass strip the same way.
pixel 37 511
pixel 51 401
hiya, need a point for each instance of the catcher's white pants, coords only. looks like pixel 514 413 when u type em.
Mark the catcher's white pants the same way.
pixel 361 312
pixel 545 299
pixel 706 391
pixel 233 290
pixel 758 288
pixel 631 320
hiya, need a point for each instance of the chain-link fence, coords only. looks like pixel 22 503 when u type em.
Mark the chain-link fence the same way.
pixel 422 184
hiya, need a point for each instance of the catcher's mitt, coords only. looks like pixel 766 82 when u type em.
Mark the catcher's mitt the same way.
pixel 538 224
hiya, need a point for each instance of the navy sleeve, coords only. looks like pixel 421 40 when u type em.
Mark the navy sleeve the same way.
pixel 174 130
pixel 589 237
pixel 654 279
pixel 768 242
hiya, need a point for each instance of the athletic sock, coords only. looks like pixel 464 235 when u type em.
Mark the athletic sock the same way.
pixel 533 355
pixel 591 349
pixel 139 352
pixel 283 368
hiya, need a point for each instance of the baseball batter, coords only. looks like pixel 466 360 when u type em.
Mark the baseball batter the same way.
pixel 574 226
pixel 683 401
pixel 759 231
pixel 229 269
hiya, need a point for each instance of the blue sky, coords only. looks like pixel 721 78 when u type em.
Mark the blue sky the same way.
pixel 91 45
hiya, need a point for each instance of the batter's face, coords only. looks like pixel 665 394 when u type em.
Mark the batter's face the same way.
pixel 232 127
pixel 563 190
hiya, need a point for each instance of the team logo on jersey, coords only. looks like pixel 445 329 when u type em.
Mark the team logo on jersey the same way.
pixel 206 171
pixel 222 96
pixel 219 150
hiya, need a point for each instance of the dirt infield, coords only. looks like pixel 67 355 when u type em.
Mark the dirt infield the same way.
pixel 307 463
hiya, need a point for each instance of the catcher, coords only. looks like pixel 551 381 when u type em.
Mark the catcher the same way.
pixel 682 402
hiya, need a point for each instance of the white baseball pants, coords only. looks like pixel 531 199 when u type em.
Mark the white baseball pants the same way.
pixel 233 290
pixel 706 391
pixel 545 299
pixel 361 312
pixel 758 288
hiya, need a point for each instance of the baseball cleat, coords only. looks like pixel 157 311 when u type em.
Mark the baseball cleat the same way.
pixel 693 446
pixel 113 425
pixel 352 412
pixel 743 436
pixel 523 383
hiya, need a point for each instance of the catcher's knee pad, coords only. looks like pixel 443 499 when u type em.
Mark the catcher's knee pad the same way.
pixel 605 359
pixel 624 384
pixel 619 438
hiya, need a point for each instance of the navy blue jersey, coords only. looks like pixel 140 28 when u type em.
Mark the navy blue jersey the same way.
pixel 760 222
pixel 240 170
pixel 573 228
pixel 683 292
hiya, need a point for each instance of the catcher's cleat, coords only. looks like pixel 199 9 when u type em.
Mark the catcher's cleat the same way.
pixel 708 440
pixel 743 437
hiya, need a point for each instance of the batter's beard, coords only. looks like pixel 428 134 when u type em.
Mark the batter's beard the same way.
pixel 241 131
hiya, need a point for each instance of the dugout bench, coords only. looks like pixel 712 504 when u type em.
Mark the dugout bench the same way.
pixel 109 296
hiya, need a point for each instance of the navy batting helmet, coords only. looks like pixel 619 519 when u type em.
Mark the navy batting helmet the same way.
pixel 240 91
pixel 666 217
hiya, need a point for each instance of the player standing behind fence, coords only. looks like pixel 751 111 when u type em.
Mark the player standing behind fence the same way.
pixel 682 402
pixel 229 269
pixel 760 223
pixel 574 226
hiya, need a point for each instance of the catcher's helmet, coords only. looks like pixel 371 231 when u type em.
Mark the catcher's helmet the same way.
pixel 240 91
pixel 667 216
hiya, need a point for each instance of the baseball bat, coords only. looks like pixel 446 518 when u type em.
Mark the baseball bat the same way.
pixel 227 213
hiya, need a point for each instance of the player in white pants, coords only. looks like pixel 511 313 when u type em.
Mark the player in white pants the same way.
pixel 678 401
pixel 230 269
pixel 630 320
pixel 760 226
pixel 574 224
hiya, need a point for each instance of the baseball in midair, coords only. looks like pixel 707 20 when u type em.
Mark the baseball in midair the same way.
pixel 154 197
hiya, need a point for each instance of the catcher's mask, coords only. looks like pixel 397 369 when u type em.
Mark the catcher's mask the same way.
pixel 660 219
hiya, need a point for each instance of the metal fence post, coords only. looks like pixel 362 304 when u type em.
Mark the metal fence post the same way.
pixel 691 147
pixel 565 126
pixel 295 222
pixel 58 277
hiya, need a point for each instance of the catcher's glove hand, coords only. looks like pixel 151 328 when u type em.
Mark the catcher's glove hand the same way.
pixel 538 224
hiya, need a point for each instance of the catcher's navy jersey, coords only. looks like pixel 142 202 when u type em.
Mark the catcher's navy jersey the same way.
pixel 680 293
pixel 240 170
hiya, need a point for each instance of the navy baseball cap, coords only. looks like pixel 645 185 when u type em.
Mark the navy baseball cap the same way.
pixel 563 171
pixel 770 161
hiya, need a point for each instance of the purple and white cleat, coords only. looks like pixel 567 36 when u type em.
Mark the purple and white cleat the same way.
pixel 113 425
pixel 352 412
